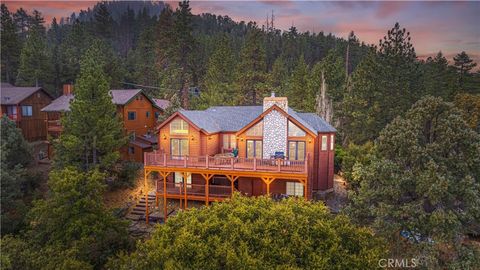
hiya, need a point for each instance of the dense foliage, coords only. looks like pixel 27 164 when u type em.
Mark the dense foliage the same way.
pixel 15 154
pixel 424 180
pixel 256 233
pixel 71 227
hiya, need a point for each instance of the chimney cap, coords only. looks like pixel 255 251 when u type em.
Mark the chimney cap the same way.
pixel 273 94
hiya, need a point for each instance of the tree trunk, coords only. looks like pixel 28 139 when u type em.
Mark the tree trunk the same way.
pixel 324 103
pixel 94 151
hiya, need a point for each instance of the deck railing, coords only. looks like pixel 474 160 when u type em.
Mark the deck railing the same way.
pixel 214 191
pixel 54 125
pixel 227 163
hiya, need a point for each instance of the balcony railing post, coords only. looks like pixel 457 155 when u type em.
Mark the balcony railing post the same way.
pixel 164 160
pixel 278 164
pixel 231 162
pixel 254 163
pixel 145 161
pixel 206 161
pixel 155 156
pixel 185 161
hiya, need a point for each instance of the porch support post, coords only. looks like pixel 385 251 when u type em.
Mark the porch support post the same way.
pixel 185 176
pixel 145 174
pixel 268 180
pixel 232 179
pixel 207 178
pixel 165 210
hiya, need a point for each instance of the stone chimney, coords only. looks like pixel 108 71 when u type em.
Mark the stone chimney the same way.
pixel 275 126
pixel 67 89
pixel 281 102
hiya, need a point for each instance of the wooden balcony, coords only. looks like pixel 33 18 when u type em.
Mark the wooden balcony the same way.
pixel 227 164
pixel 195 191
pixel 54 126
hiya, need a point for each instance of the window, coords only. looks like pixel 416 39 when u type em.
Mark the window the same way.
pixel 294 130
pixel 178 126
pixel 294 189
pixel 12 111
pixel 131 150
pixel 179 179
pixel 324 143
pixel 132 115
pixel 256 130
pixel 26 110
pixel 332 142
pixel 229 141
pixel 147 114
pixel 254 148
pixel 296 150
pixel 178 147
pixel 157 114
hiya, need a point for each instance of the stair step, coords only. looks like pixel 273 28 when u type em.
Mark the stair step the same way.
pixel 140 213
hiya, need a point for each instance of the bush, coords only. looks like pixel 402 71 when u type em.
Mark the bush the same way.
pixel 256 233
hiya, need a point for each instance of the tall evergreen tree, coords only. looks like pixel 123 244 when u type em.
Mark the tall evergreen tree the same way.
pixel 250 75
pixel 103 22
pixel 277 79
pixel 22 20
pixel 35 61
pixel 300 96
pixel 219 78
pixel 464 65
pixel 439 77
pixel 185 44
pixel 10 46
pixel 92 133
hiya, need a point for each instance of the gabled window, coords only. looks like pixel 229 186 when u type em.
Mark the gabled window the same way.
pixel 256 130
pixel 132 115
pixel 147 114
pixel 294 130
pixel 178 126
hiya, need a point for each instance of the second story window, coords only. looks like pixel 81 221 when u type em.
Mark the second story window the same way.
pixel 254 148
pixel 294 130
pixel 157 114
pixel 132 115
pixel 12 112
pixel 178 126
pixel 332 142
pixel 229 141
pixel 27 111
pixel 147 114
pixel 256 130
pixel 296 150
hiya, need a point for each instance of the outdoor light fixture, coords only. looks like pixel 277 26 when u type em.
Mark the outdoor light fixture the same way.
pixel 164 136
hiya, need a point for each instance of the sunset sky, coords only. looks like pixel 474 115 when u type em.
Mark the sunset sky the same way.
pixel 449 27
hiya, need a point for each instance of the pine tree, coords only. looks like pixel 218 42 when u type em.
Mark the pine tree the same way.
pixel 424 182
pixel 250 75
pixel 278 78
pixel 300 97
pixel 22 21
pixel 103 22
pixel 219 78
pixel 185 44
pixel 143 59
pixel 35 62
pixel 463 64
pixel 92 133
pixel 439 77
pixel 10 46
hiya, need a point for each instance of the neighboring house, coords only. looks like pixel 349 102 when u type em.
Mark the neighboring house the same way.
pixel 280 152
pixel 23 105
pixel 136 110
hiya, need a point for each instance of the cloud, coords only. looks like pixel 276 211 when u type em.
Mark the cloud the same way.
pixel 387 9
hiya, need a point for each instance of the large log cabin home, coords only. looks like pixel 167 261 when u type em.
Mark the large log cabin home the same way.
pixel 138 112
pixel 23 106
pixel 255 150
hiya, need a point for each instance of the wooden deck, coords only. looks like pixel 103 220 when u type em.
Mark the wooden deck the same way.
pixel 226 163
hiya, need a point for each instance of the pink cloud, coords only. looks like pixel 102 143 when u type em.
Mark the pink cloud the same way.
pixel 387 9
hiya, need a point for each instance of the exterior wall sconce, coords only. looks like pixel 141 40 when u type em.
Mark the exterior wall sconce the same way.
pixel 164 136
pixel 241 139
pixel 193 138
pixel 309 140
pixel 209 137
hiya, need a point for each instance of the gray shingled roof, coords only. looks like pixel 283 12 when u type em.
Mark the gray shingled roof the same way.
pixel 119 97
pixel 123 96
pixel 61 104
pixel 234 118
pixel 161 103
pixel 11 95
